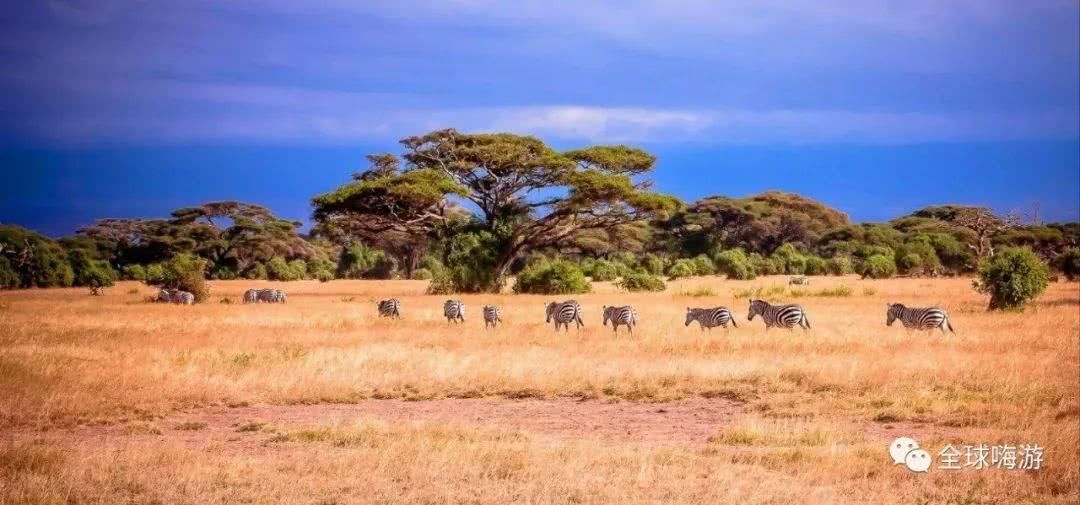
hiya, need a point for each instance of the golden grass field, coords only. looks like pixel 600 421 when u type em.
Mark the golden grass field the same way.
pixel 115 400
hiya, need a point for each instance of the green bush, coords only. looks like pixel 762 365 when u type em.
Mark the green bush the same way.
pixel 558 277
pixel 793 262
pixel 910 263
pixel 257 272
pixel 358 261
pixel 90 272
pixel 840 265
pixel 735 264
pixel 1012 278
pixel 766 266
pixel 155 273
pixel 224 273
pixel 641 281
pixel 9 278
pixel 281 270
pixel 815 266
pixel 703 265
pixel 323 275
pixel 681 269
pixel 135 272
pixel 421 274
pixel 654 264
pixel 878 266
pixel 917 257
pixel 185 272
pixel 604 270
pixel 1069 263
pixel 44 263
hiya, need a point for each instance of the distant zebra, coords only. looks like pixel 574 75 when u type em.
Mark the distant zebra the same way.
pixel 563 313
pixel 251 296
pixel 918 318
pixel 624 316
pixel 785 316
pixel 183 298
pixel 710 318
pixel 269 296
pixel 97 291
pixel 454 310
pixel 390 308
pixel 164 296
pixel 491 316
pixel 799 280
pixel 279 296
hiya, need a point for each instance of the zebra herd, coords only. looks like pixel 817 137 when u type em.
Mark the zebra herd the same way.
pixel 563 313
pixel 265 296
pixel 775 316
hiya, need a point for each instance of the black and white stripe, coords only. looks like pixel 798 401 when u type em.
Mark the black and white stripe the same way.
pixel 251 296
pixel 624 316
pixel 268 296
pixel 390 308
pixel 563 313
pixel 710 318
pixel 491 316
pixel 175 296
pixel 454 310
pixel 784 316
pixel 914 318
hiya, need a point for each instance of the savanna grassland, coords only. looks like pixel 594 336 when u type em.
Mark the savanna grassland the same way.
pixel 115 400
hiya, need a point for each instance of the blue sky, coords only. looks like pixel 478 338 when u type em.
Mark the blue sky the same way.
pixel 132 108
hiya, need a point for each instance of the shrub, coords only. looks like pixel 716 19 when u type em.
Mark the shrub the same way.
pixel 9 278
pixel 878 266
pixel 155 273
pixel 558 277
pixel 358 261
pixel 135 272
pixel 604 270
pixel 324 275
pixel 421 274
pixel 815 266
pixel 280 270
pixel 470 260
pixel 641 281
pixel 840 265
pixel 791 260
pixel 766 266
pixel 910 263
pixel 917 257
pixel 654 264
pixel 90 272
pixel 735 264
pixel 186 272
pixel 224 274
pixel 1069 263
pixel 1012 278
pixel 681 269
pixel 703 265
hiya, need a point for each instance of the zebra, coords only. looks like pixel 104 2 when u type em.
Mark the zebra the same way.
pixel 97 291
pixel 563 313
pixel 710 318
pixel 454 310
pixel 624 315
pixel 270 296
pixel 918 318
pixel 183 298
pixel 251 296
pixel 279 296
pixel 164 296
pixel 390 308
pixel 799 280
pixel 786 316
pixel 491 316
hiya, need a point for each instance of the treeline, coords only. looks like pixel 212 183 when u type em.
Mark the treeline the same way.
pixel 467 211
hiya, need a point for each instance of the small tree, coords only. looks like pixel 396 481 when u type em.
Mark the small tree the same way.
pixel 815 266
pixel 840 265
pixel 185 272
pixel 604 270
pixel 878 266
pixel 1012 278
pixel 681 269
pixel 735 264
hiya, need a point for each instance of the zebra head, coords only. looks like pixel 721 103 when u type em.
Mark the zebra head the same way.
pixel 691 315
pixel 757 307
pixel 892 313
pixel 607 315
pixel 550 311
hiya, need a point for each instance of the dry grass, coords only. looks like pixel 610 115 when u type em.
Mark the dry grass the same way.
pixel 815 403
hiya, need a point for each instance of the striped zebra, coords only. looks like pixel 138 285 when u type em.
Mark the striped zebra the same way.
pixel 251 296
pixel 183 298
pixel 624 316
pixel 798 280
pixel 785 316
pixel 563 313
pixel 164 296
pixel 927 319
pixel 454 310
pixel 270 296
pixel 390 308
pixel 710 318
pixel 491 316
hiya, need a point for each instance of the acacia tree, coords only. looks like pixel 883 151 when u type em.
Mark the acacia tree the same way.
pixel 985 225
pixel 527 195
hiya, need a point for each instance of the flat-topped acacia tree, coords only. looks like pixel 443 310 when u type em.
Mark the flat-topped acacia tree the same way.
pixel 527 194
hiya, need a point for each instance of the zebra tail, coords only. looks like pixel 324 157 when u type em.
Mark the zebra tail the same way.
pixel 806 320
pixel 949 324
pixel 733 323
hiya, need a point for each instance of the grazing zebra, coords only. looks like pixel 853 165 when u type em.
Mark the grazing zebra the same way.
pixel 270 296
pixel 183 298
pixel 251 296
pixel 491 316
pixel 918 319
pixel 390 308
pixel 624 315
pixel 563 313
pixel 454 310
pixel 786 316
pixel 164 296
pixel 279 296
pixel 710 318
pixel 799 280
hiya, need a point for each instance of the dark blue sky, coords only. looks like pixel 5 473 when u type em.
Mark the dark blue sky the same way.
pixel 132 108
